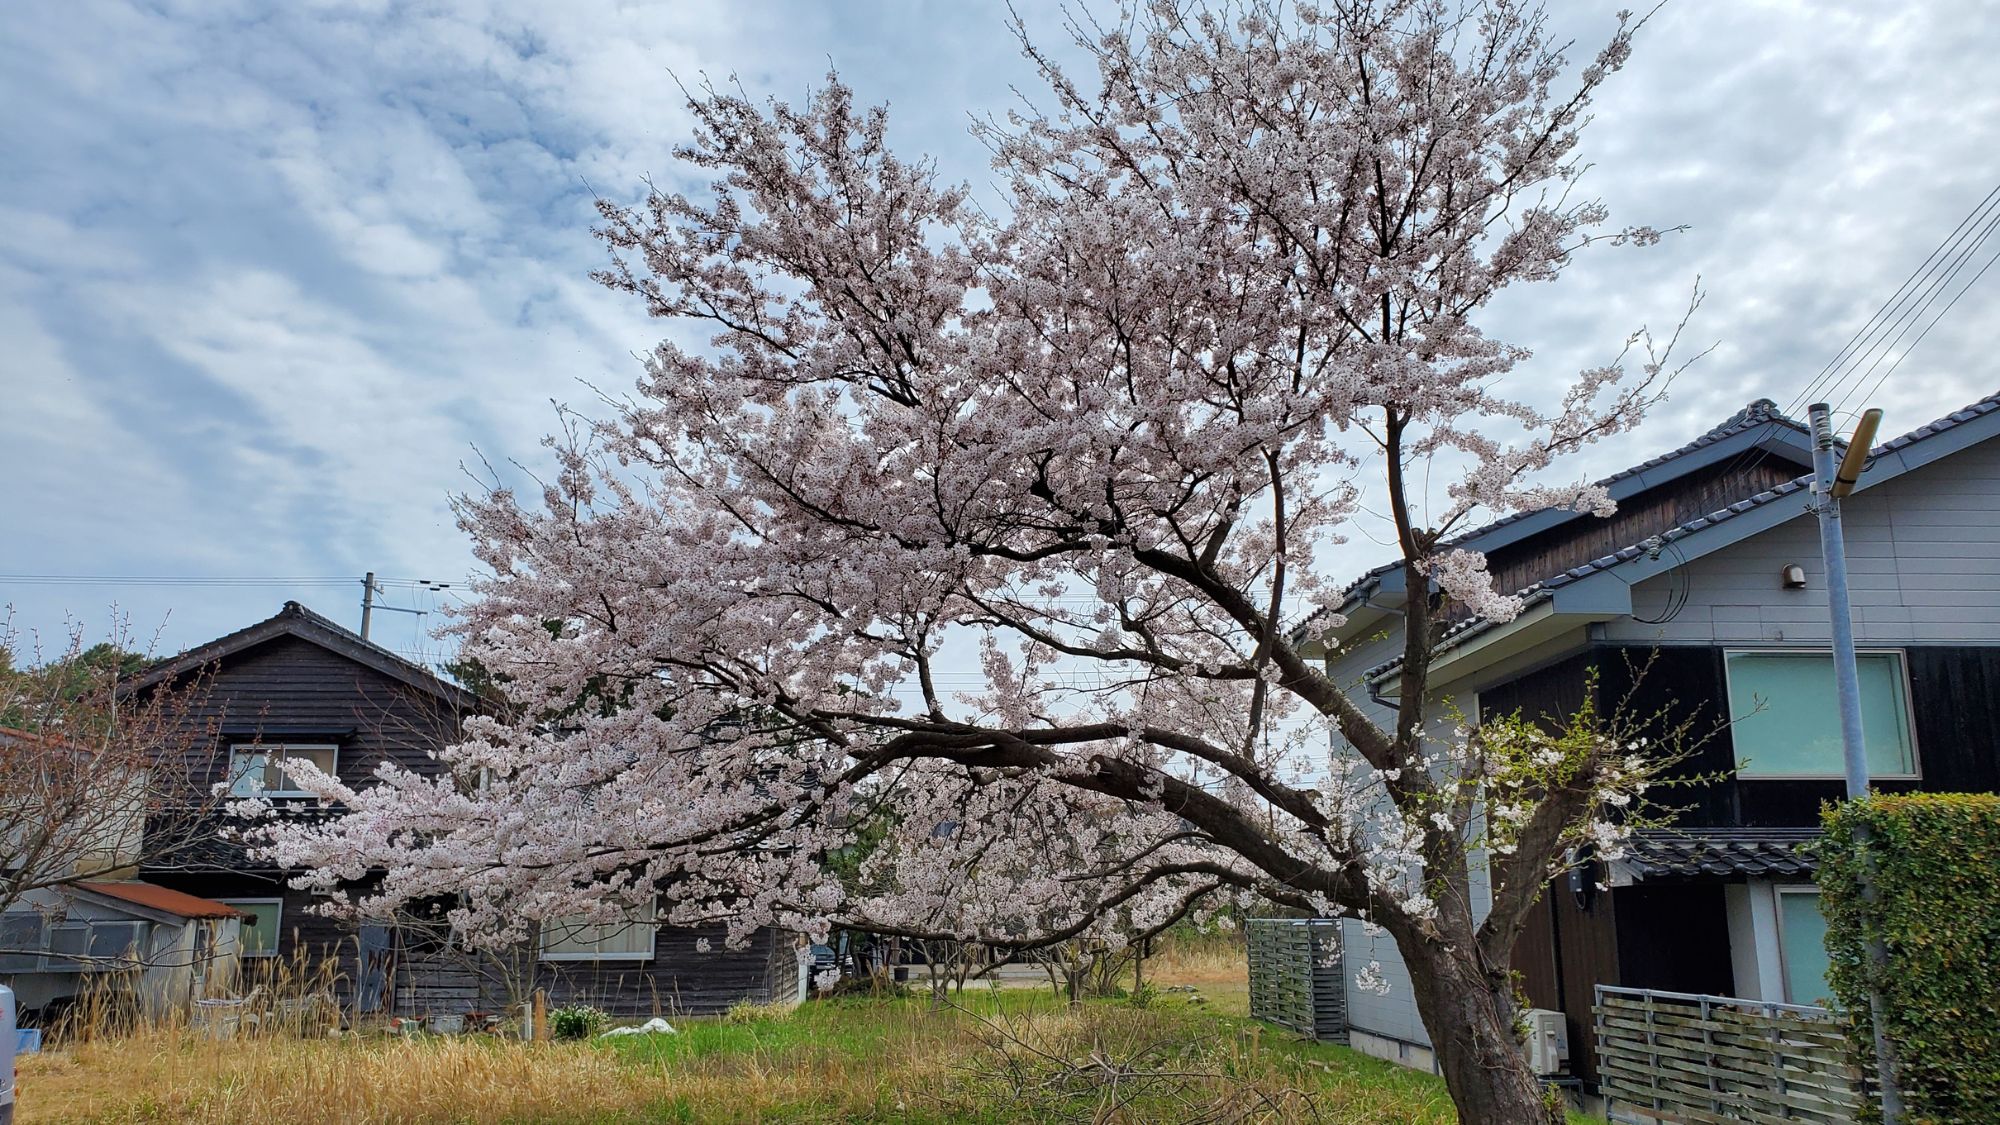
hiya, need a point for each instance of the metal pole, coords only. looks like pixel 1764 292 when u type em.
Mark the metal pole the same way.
pixel 367 602
pixel 8 1039
pixel 1847 685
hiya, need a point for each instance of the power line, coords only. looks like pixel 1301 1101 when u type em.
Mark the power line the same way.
pixel 1893 319
pixel 1915 314
pixel 1978 224
pixel 1920 336
pixel 222 581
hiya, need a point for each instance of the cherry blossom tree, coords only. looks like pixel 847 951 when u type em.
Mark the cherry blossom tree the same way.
pixel 988 528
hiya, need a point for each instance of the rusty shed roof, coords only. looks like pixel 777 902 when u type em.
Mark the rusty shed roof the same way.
pixel 162 898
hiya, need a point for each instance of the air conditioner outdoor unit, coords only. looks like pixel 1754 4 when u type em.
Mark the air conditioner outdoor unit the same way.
pixel 1548 1041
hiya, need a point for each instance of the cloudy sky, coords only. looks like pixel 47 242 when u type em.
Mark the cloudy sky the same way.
pixel 273 274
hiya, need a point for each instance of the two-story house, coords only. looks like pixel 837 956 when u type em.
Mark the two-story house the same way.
pixel 1710 577
pixel 298 687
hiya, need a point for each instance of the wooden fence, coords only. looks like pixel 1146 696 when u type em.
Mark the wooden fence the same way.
pixel 1672 1056
pixel 1295 976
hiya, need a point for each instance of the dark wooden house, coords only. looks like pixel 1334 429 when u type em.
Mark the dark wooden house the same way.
pixel 298 686
pixel 1691 582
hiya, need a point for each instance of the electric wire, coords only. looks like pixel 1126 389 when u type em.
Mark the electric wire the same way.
pixel 1877 337
pixel 1892 320
pixel 218 581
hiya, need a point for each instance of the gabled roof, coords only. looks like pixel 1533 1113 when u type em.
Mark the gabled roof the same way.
pixel 1759 425
pixel 1886 461
pixel 1949 422
pixel 295 620
pixel 162 899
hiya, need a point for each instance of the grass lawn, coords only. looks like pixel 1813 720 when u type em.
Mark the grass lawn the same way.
pixel 996 1056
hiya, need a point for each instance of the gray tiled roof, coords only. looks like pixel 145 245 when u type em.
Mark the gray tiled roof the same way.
pixel 1542 590
pixel 1761 412
pixel 1763 853
pixel 1950 421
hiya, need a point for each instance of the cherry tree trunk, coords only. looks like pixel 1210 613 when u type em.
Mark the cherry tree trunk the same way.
pixel 1470 1018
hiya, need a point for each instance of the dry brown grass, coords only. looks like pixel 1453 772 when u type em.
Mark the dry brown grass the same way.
pixel 172 1076
pixel 1216 964
pixel 1017 1055
pixel 839 1061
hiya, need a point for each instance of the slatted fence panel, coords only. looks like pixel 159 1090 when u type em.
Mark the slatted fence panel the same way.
pixel 1295 976
pixel 1678 1057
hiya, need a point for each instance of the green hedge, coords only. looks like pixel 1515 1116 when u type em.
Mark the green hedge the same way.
pixel 1937 870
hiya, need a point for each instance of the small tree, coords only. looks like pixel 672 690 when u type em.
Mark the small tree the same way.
pixel 1102 438
pixel 93 783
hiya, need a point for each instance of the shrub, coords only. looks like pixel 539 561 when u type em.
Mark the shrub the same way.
pixel 1937 870
pixel 578 1021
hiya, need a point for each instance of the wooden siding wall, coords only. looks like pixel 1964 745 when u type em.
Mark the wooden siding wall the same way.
pixel 311 694
pixel 1564 953
pixel 1954 701
pixel 1546 696
pixel 782 979
pixel 678 980
pixel 1712 489
pixel 1955 696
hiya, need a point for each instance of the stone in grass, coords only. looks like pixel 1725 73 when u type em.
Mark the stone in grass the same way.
pixel 654 1026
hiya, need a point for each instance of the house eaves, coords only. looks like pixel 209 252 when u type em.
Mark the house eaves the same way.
pixel 1601 590
pixel 1757 428
pixel 1716 853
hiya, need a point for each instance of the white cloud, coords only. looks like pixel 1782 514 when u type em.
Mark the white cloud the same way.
pixel 269 271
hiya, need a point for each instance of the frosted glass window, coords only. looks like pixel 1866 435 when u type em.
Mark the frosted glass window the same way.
pixel 1787 716
pixel 257 931
pixel 1802 931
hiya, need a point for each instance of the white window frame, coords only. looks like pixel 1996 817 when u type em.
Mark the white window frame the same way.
pixel 1909 713
pixel 651 912
pixel 278 923
pixel 1778 893
pixel 266 750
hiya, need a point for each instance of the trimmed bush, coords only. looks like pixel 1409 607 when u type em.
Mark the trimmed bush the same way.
pixel 1937 872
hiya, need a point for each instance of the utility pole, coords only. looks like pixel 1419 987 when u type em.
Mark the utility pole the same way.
pixel 1830 485
pixel 367 602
